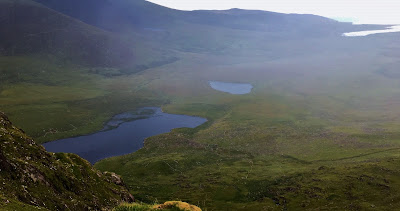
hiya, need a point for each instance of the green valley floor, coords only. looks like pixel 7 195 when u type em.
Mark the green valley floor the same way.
pixel 316 132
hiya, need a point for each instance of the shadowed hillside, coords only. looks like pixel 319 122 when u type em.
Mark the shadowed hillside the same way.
pixel 29 28
pixel 118 15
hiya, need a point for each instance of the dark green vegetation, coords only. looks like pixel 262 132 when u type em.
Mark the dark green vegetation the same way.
pixel 319 131
pixel 30 177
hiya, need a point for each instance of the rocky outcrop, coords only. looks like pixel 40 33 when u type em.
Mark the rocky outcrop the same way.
pixel 177 204
pixel 31 175
pixel 169 205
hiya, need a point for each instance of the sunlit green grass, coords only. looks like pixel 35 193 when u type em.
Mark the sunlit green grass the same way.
pixel 7 204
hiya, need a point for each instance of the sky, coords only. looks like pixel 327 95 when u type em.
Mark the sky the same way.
pixel 357 11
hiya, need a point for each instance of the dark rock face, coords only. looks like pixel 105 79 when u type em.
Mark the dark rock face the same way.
pixel 4 165
pixel 60 181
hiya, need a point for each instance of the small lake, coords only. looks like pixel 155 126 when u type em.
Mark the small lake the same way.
pixel 232 88
pixel 366 33
pixel 124 134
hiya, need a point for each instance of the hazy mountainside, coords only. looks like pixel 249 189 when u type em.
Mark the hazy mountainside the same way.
pixel 116 15
pixel 28 29
pixel 253 20
pixel 119 15
pixel 137 35
pixel 29 175
pixel 217 32
pixel 31 29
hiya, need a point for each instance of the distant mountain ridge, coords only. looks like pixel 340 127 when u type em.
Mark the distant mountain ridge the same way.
pixel 143 14
pixel 204 31
pixel 126 33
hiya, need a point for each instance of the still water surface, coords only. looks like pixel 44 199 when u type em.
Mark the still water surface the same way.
pixel 123 134
pixel 232 88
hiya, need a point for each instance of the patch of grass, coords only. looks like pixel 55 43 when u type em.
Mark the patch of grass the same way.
pixel 8 204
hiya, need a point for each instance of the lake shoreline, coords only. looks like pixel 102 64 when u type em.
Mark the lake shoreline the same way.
pixel 231 88
pixel 125 133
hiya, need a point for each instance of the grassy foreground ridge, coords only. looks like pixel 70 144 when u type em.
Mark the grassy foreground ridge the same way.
pixel 32 177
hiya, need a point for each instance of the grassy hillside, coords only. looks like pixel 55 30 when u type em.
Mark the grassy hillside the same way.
pixel 215 32
pixel 119 15
pixel 30 176
pixel 55 65
pixel 73 102
pixel 29 28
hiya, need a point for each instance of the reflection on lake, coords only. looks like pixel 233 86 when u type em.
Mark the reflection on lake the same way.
pixel 125 134
pixel 232 88
pixel 365 33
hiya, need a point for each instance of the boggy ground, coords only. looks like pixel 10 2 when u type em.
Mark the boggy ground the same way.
pixel 319 130
pixel 315 133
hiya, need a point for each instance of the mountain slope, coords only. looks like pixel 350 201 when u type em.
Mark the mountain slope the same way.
pixel 117 15
pixel 137 34
pixel 29 28
pixel 206 31
pixel 30 175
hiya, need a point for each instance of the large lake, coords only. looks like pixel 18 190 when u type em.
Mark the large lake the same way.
pixel 124 134
pixel 232 88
